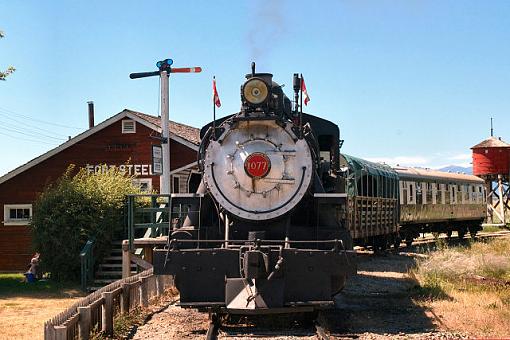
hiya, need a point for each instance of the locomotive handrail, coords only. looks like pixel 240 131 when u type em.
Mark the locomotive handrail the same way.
pixel 272 242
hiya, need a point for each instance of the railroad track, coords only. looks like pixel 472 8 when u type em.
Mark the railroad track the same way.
pixel 319 327
pixel 430 239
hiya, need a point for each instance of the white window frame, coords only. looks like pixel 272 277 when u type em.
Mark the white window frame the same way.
pixel 139 181
pixel 434 192
pixel 124 121
pixel 442 189
pixel 411 197
pixel 8 207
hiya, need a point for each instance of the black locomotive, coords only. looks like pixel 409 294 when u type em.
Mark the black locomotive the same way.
pixel 265 233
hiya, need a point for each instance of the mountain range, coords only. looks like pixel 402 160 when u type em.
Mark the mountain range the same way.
pixel 456 168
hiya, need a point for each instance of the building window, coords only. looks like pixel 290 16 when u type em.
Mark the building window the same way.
pixel 128 126
pixel 176 185
pixel 145 184
pixel 17 214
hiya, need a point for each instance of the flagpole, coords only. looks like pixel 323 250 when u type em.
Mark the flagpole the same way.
pixel 214 108
pixel 301 107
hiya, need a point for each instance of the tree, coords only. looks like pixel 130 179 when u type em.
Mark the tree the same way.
pixel 75 209
pixel 10 69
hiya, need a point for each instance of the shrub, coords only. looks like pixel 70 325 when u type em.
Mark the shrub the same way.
pixel 75 209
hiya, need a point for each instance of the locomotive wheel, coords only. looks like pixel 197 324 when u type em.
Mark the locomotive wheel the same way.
pixel 396 242
pixel 472 232
pixel 380 244
pixel 409 241
pixel 461 233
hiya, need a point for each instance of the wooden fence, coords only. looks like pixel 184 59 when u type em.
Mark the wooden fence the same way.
pixel 97 311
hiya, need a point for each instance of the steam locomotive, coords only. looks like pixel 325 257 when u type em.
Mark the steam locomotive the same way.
pixel 265 232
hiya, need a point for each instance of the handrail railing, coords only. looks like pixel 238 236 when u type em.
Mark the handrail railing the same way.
pixel 154 215
pixel 87 264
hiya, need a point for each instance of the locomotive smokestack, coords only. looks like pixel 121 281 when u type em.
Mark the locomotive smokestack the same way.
pixel 296 84
pixel 253 69
pixel 91 114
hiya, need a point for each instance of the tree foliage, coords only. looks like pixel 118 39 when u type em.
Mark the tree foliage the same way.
pixel 10 69
pixel 75 209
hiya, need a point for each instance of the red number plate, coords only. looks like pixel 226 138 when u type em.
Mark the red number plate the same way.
pixel 257 165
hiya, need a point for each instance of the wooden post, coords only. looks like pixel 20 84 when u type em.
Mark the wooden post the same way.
pixel 144 294
pixel 160 285
pixel 126 259
pixel 124 298
pixel 84 322
pixel 60 332
pixel 107 313
pixel 49 331
pixel 148 252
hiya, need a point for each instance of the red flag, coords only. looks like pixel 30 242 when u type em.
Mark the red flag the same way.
pixel 304 92
pixel 216 98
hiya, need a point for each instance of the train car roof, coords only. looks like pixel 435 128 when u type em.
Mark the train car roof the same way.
pixel 429 174
pixel 360 166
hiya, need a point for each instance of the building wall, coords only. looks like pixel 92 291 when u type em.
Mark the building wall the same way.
pixel 107 146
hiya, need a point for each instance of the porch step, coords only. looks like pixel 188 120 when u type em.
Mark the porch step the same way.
pixel 113 273
pixel 114 265
pixel 110 269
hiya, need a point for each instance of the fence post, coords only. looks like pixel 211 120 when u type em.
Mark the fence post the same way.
pixel 60 332
pixel 160 285
pixel 124 298
pixel 144 294
pixel 126 259
pixel 49 331
pixel 85 322
pixel 107 313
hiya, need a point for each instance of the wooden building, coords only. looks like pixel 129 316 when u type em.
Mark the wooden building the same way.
pixel 123 140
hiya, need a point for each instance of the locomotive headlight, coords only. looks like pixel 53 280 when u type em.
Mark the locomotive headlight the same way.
pixel 255 91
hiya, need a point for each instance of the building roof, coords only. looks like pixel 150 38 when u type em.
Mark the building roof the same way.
pixel 492 142
pixel 181 133
pixel 187 132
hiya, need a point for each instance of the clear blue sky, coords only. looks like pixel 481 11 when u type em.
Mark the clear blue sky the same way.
pixel 413 82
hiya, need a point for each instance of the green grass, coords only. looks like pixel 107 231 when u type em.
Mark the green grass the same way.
pixel 494 229
pixel 14 285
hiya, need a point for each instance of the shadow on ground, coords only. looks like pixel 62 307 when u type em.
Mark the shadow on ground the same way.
pixel 379 299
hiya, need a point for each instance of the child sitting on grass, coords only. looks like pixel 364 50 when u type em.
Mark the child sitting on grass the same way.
pixel 33 269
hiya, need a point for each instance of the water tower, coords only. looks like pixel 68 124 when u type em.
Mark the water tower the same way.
pixel 491 161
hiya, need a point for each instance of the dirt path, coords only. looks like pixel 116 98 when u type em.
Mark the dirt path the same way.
pixel 375 304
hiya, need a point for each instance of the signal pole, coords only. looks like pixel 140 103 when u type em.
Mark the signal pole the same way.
pixel 164 71
pixel 164 180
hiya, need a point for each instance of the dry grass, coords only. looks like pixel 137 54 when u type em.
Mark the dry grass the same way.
pixel 468 288
pixel 491 259
pixel 25 307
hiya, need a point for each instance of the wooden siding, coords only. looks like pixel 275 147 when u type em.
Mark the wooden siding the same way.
pixel 107 146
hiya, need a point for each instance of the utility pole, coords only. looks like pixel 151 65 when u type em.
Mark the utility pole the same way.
pixel 164 71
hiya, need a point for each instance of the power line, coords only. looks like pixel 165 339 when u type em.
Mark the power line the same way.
pixel 28 140
pixel 23 130
pixel 24 124
pixel 41 121
pixel 31 135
